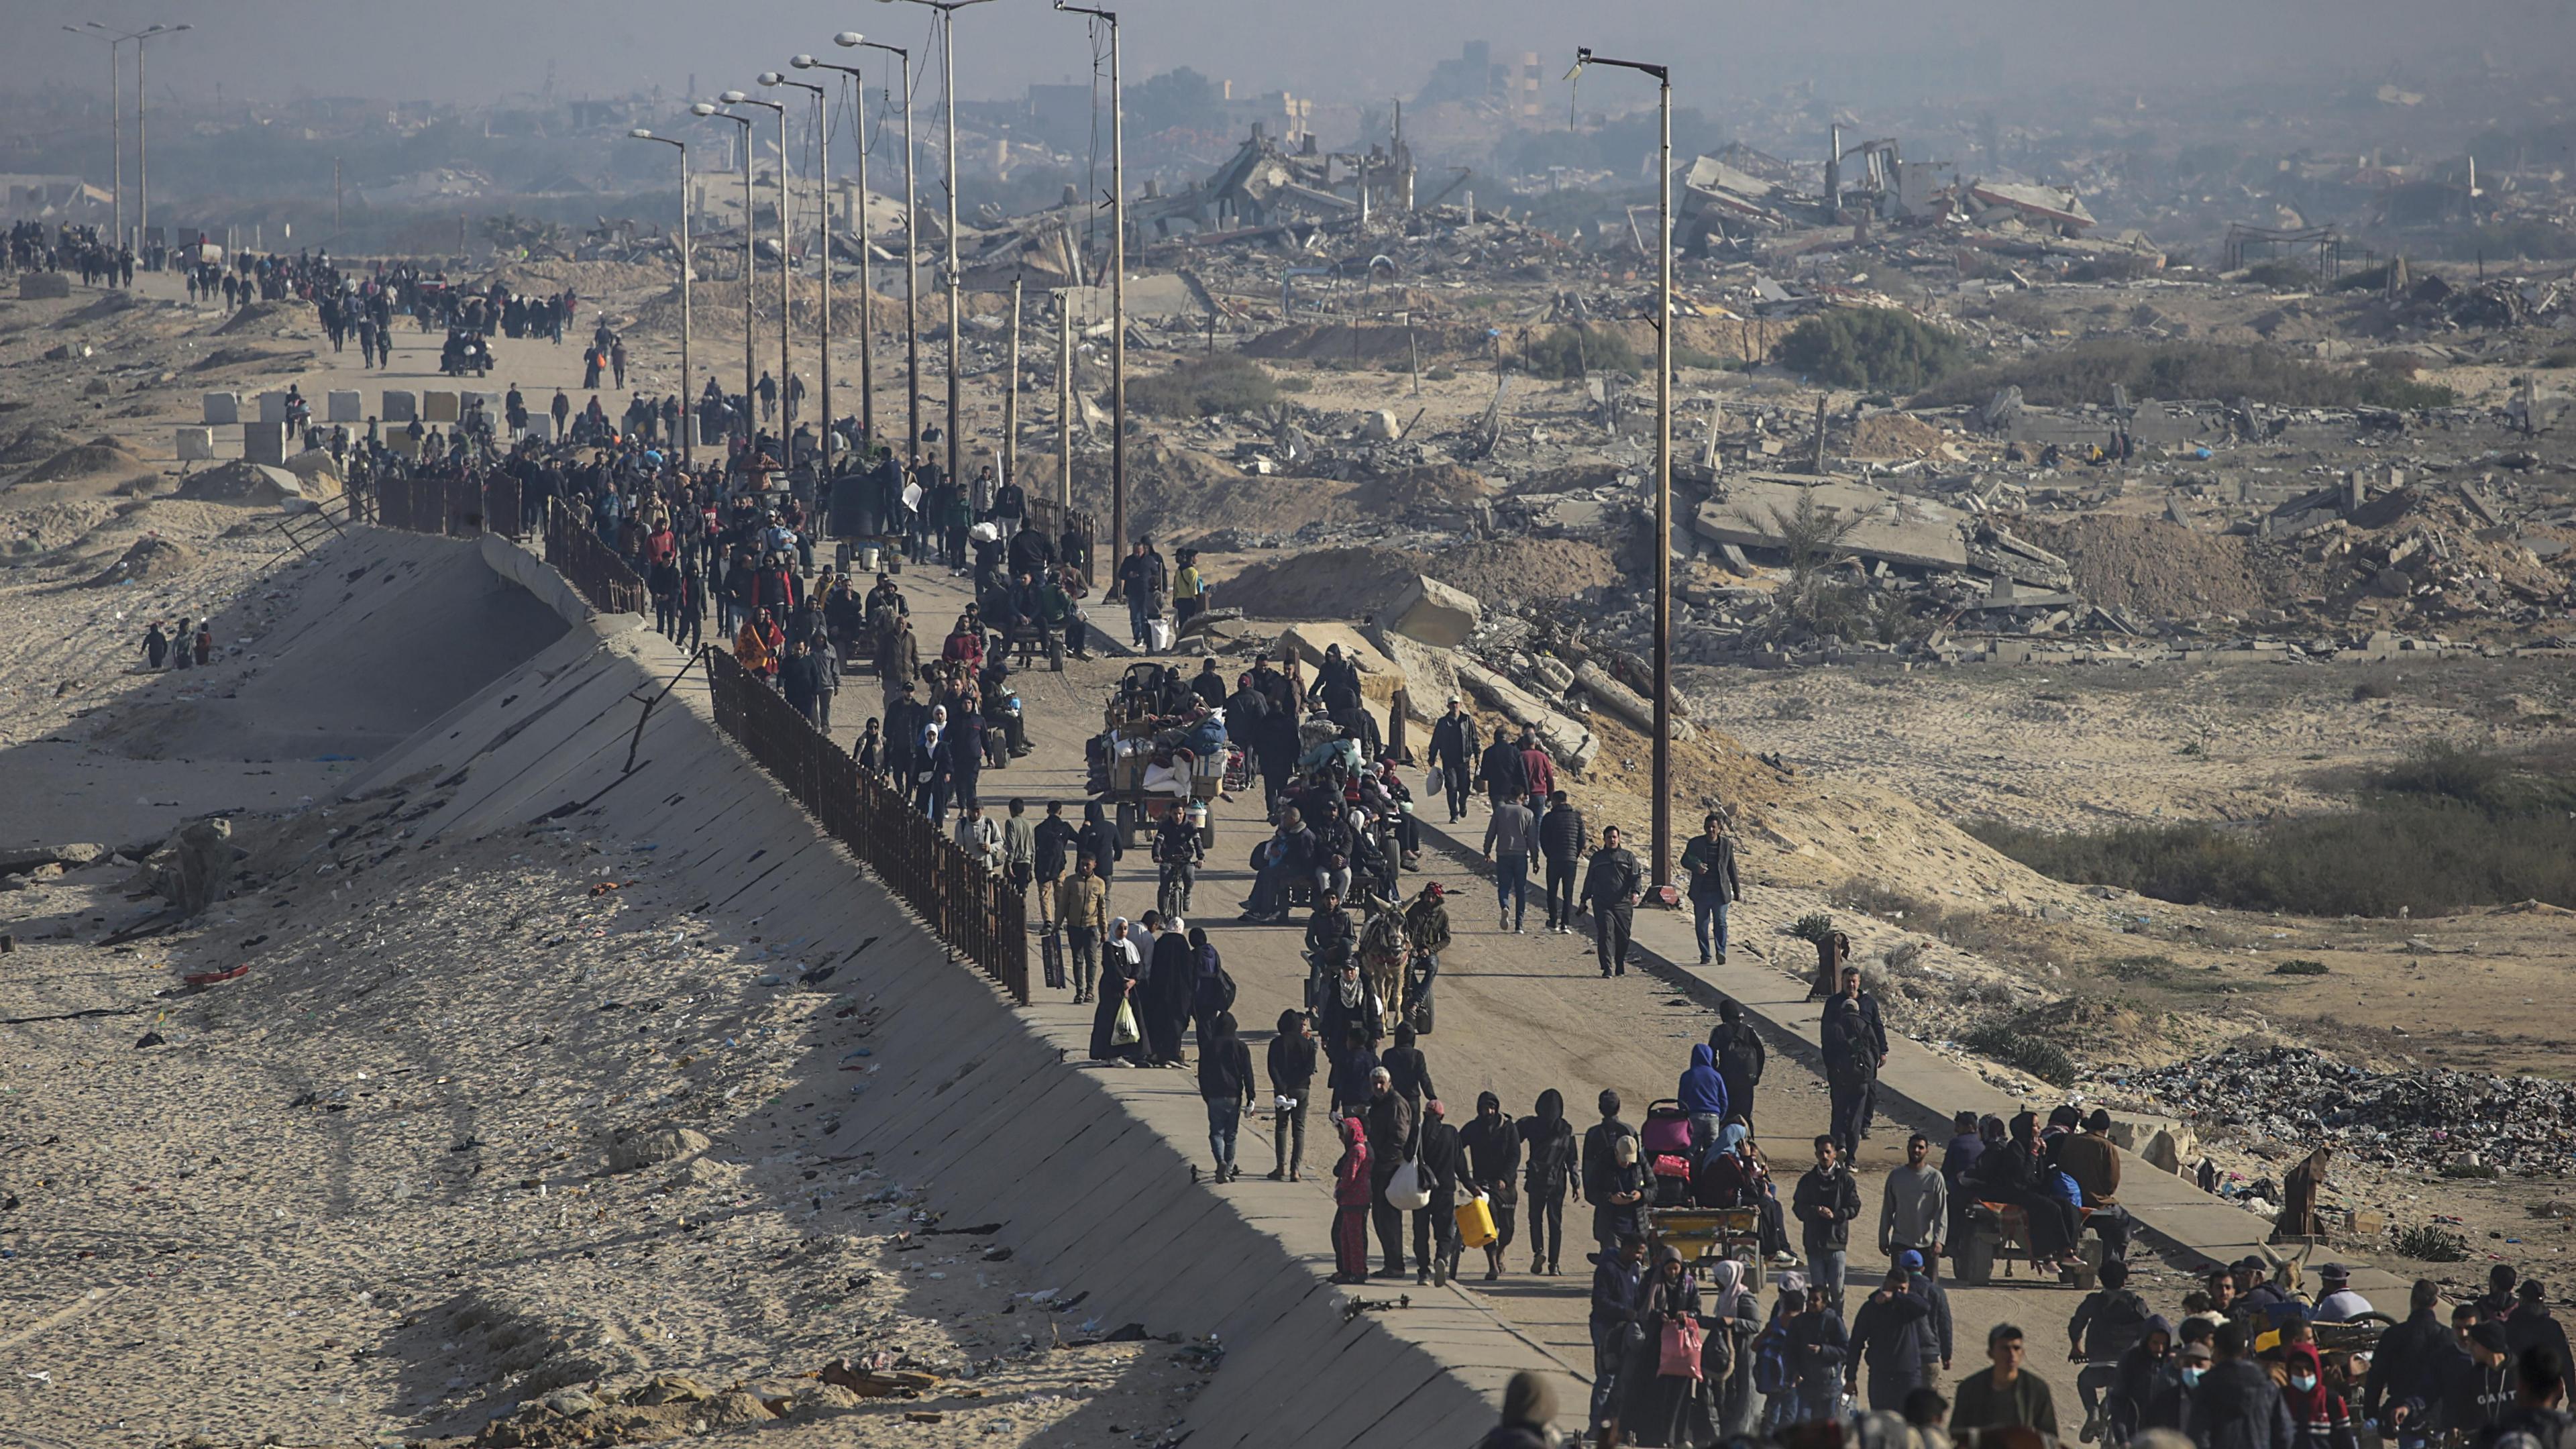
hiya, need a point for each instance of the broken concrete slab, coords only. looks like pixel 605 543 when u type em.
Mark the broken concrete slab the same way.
pixel 28 857
pixel 1630 706
pixel 1566 740
pixel 1757 510
pixel 1433 613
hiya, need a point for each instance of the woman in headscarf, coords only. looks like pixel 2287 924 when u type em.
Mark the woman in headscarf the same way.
pixel 1733 1318
pixel 1117 981
pixel 1097 841
pixel 1171 987
pixel 1211 989
pixel 1660 1400
pixel 1547 1142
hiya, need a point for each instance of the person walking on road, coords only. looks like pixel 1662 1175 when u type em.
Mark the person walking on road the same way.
pixel 1510 837
pixel 1225 1083
pixel 1547 1142
pixel 1611 886
pixel 1452 742
pixel 1709 860
pixel 1292 1085
pixel 1740 1057
pixel 1826 1204
pixel 1561 839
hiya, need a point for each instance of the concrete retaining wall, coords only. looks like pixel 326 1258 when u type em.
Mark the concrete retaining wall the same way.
pixel 981 1105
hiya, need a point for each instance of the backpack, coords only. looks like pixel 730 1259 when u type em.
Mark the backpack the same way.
pixel 1735 1059
pixel 1771 1371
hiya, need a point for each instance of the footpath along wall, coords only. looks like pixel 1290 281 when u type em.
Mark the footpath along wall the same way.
pixel 978 1104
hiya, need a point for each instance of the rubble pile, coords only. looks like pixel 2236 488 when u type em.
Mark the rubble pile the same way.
pixel 2418 1119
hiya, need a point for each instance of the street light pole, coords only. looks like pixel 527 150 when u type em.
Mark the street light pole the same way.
pixel 688 400
pixel 948 94
pixel 1663 651
pixel 786 359
pixel 142 140
pixel 115 116
pixel 911 253
pixel 1117 282
pixel 822 234
pixel 707 110
pixel 867 292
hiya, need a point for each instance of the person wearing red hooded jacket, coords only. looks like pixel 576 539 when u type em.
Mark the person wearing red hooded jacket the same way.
pixel 1351 1205
pixel 2317 1408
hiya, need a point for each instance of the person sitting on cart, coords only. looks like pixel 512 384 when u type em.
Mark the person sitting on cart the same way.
pixel 1733 1175
pixel 1290 859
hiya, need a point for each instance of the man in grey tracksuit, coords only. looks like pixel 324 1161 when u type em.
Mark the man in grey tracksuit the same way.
pixel 1915 1210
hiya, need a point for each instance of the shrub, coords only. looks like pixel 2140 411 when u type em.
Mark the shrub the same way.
pixel 1443 372
pixel 2086 373
pixel 2430 1244
pixel 2559 357
pixel 2006 1042
pixel 1815 926
pixel 1577 351
pixel 2370 689
pixel 2422 851
pixel 2300 966
pixel 1874 348
pixel 1204 387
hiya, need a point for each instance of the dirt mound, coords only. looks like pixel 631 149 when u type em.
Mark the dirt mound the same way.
pixel 1330 583
pixel 1893 435
pixel 240 482
pixel 1518 570
pixel 589 281
pixel 1339 583
pixel 1438 485
pixel 34 443
pixel 1174 491
pixel 98 457
pixel 149 558
pixel 2154 568
pixel 257 317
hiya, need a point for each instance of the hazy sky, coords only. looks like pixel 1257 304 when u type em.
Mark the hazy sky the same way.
pixel 476 50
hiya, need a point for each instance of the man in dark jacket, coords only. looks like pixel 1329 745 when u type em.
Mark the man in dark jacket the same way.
pixel 1611 886
pixel 1504 774
pixel 2539 1406
pixel 1597 1161
pixel 1492 1142
pixel 1855 1047
pixel 2410 1368
pixel 2005 1396
pixel 1561 839
pixel 2147 1380
pixel 2237 1406
pixel 1618 1315
pixel 1708 862
pixel 2531 1326
pixel 1292 1081
pixel 1826 1203
pixel 1390 1132
pixel 2481 1389
pixel 1452 737
pixel 800 678
pixel 1741 1057
pixel 2107 1324
pixel 1435 1226
pixel 1888 1334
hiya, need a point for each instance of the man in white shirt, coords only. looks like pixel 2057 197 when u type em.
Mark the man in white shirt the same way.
pixel 2340 1304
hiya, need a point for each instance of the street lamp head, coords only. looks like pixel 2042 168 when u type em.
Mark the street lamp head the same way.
pixel 847 39
pixel 702 108
pixel 734 98
pixel 175 29
pixel 640 134
pixel 801 62
pixel 772 78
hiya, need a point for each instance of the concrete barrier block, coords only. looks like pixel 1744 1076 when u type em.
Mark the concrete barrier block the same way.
pixel 264 442
pixel 344 405
pixel 43 286
pixel 223 409
pixel 195 445
pixel 272 407
pixel 400 406
pixel 438 405
pixel 1434 613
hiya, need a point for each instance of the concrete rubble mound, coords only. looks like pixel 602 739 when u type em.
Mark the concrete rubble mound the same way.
pixel 2414 1119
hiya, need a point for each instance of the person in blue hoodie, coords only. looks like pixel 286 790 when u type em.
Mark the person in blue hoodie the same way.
pixel 1703 1096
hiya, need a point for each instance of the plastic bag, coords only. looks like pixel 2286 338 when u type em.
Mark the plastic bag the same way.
pixel 1680 1354
pixel 1405 1190
pixel 1124 1031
